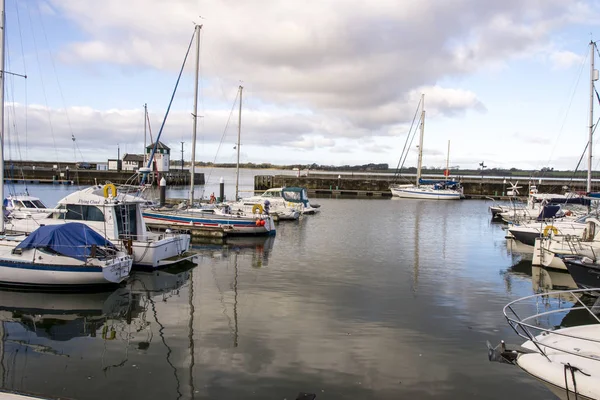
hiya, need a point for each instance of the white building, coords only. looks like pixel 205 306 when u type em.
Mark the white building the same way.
pixel 132 162
pixel 161 157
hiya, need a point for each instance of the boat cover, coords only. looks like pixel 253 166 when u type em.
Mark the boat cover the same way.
pixel 548 211
pixel 72 239
pixel 295 195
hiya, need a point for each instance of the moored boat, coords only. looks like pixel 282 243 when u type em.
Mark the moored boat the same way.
pixel 584 271
pixel 427 190
pixel 62 256
pixel 565 359
pixel 119 217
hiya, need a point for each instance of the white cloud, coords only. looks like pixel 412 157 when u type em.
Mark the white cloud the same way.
pixel 321 73
pixel 565 59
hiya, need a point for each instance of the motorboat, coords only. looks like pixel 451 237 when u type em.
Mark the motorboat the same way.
pixel 70 255
pixel 25 206
pixel 117 215
pixel 565 358
pixel 528 232
pixel 584 271
pixel 548 251
pixel 280 199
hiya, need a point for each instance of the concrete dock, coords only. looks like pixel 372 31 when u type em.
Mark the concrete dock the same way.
pixel 377 185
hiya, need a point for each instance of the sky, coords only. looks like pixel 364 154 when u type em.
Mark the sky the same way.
pixel 329 82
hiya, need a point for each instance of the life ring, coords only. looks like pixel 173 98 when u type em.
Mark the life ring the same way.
pixel 112 188
pixel 257 208
pixel 548 228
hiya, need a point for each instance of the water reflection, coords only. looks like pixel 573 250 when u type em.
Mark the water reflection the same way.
pixel 394 304
pixel 259 248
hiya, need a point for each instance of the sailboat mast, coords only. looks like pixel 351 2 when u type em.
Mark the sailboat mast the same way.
pixel 448 160
pixel 593 77
pixel 420 162
pixel 145 129
pixel 237 168
pixel 195 116
pixel 2 40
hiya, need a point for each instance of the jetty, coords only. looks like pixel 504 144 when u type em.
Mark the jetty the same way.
pixel 70 173
pixel 377 184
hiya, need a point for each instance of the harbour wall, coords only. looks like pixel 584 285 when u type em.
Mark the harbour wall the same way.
pixel 378 185
pixel 69 175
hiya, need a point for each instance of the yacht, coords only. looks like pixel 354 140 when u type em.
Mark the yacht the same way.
pixel 565 358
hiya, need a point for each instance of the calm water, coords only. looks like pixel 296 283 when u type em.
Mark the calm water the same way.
pixel 370 299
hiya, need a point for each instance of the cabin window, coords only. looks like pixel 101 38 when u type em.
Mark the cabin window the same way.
pixel 28 204
pixel 38 204
pixel 77 212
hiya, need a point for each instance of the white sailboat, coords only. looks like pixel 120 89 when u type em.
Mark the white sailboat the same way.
pixel 433 190
pixel 225 217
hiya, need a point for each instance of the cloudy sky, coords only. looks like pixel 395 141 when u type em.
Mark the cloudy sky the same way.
pixel 328 82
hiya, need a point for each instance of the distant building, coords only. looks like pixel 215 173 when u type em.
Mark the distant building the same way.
pixel 161 157
pixel 113 164
pixel 102 166
pixel 132 162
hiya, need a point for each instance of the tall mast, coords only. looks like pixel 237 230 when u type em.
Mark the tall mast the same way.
pixel 593 77
pixel 420 162
pixel 145 129
pixel 448 159
pixel 195 116
pixel 237 168
pixel 2 66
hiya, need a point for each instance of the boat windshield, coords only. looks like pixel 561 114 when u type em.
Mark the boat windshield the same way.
pixel 78 212
pixel 583 219
pixel 271 193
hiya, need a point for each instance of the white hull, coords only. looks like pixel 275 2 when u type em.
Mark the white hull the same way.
pixel 37 268
pixel 546 250
pixel 414 192
pixel 551 370
pixel 161 252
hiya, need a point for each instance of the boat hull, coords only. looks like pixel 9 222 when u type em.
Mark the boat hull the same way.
pixel 160 252
pixel 35 268
pixel 426 193
pixel 586 276
pixel 14 273
pixel 233 225
pixel 551 369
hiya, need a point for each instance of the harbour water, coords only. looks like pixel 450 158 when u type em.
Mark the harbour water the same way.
pixel 369 299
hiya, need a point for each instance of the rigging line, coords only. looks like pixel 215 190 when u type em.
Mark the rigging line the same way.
pixel 583 62
pixel 11 122
pixel 43 85
pixel 149 128
pixel 57 80
pixel 407 136
pixel 169 107
pixel 410 144
pixel 222 137
pixel 24 73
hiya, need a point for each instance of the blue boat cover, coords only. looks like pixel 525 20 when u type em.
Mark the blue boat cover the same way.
pixel 548 211
pixel 72 239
